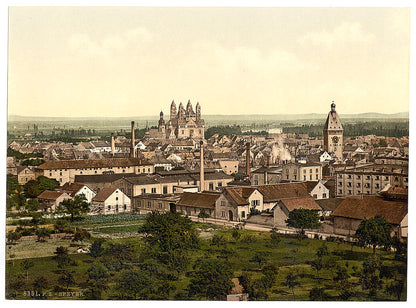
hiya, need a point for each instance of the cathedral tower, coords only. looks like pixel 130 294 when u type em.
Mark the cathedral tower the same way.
pixel 173 110
pixel 334 134
pixel 198 111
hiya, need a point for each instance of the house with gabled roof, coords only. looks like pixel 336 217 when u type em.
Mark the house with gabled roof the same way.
pixel 74 189
pixel 49 200
pixel 192 204
pixel 352 211
pixel 284 206
pixel 110 200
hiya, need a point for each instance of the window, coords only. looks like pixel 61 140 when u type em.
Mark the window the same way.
pixel 367 177
pixel 358 185
pixel 310 170
pixel 255 202
pixel 223 214
pixel 340 183
pixel 377 185
pixel 304 170
pixel 359 192
pixel 143 191
pixel 349 184
pixel 116 207
pixel 377 177
pixel 153 190
pixel 340 176
pixel 349 176
pixel 368 192
pixel 116 198
pixel 160 205
pixel 149 204
pixel 316 170
pixel 324 195
pixel 358 177
pixel 243 214
pixel 316 176
pixel 256 182
pixel 294 177
pixel 109 207
pixel 125 207
pixel 139 203
pixel 219 184
pixel 50 173
pixel 304 177
pixel 349 192
pixel 310 177
pixel 315 196
pixel 386 178
pixel 223 203
pixel 60 173
pixel 211 186
pixel 340 191
pixel 165 189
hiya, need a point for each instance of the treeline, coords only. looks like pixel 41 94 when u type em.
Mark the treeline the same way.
pixel 230 130
pixel 388 129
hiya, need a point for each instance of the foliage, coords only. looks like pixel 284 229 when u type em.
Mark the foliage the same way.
pixel 43 233
pixel 13 186
pixel 218 240
pixel 202 214
pixel 318 294
pixel 291 282
pixel 41 283
pixel 62 256
pixel 370 275
pixel 303 219
pixel 117 255
pixel 169 231
pixel 396 288
pixel 212 279
pixel 375 232
pixel 32 162
pixel 97 249
pixel 259 257
pixel 16 201
pixel 97 280
pixel 238 176
pixel 62 226
pixel 34 188
pixel 18 155
pixel 223 130
pixel 32 205
pixel 108 219
pixel 26 265
pixel 13 236
pixel 134 285
pixel 75 207
pixel 66 279
pixel 80 235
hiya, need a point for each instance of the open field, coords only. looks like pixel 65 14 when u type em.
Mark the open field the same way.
pixel 289 255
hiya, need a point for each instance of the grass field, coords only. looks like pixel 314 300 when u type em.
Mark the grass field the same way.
pixel 289 255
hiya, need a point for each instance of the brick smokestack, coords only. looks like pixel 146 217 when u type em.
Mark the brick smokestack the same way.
pixel 248 159
pixel 201 172
pixel 132 154
pixel 113 147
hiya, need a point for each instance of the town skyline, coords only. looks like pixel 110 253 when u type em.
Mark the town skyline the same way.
pixel 113 62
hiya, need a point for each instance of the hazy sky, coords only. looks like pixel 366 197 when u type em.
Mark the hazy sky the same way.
pixel 122 61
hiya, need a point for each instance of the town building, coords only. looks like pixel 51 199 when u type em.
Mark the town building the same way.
pixel 333 134
pixel 49 200
pixel 284 206
pixel 183 123
pixel 65 170
pixel 301 172
pixel 24 175
pixel 75 189
pixel 110 200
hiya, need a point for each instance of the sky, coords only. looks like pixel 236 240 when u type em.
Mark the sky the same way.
pixel 133 61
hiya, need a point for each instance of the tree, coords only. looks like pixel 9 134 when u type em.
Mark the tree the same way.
pixel 169 231
pixel 40 283
pixel 236 234
pixel 317 264
pixel 259 257
pixel 211 280
pixel 97 248
pixel 80 235
pixel 32 205
pixel 202 214
pixel 43 233
pixel 13 186
pixel 303 219
pixel 62 226
pixel 26 265
pixel 134 285
pixel 269 275
pixel 66 279
pixel 45 183
pixel 62 256
pixel 116 255
pixel 291 282
pixel 370 275
pixel 13 236
pixel 218 240
pixel 97 280
pixel 75 207
pixel 374 232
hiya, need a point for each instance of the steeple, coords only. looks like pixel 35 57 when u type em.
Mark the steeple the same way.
pixel 334 134
pixel 173 110
pixel 189 109
pixel 198 111
pixel 181 112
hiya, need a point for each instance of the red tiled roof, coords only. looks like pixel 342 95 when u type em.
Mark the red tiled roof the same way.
pixel 240 194
pixel 103 194
pixel 273 193
pixel 392 211
pixel 307 203
pixel 50 195
pixel 93 163
pixel 205 200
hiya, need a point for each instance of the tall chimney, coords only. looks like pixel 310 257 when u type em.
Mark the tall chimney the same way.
pixel 201 172
pixel 132 154
pixel 113 147
pixel 248 159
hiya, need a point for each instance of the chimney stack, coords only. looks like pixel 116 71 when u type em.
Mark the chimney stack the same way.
pixel 132 154
pixel 113 147
pixel 201 172
pixel 248 159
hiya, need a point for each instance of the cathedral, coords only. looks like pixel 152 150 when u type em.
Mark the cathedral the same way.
pixel 183 123
pixel 334 134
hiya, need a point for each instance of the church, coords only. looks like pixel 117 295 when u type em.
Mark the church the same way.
pixel 334 134
pixel 183 123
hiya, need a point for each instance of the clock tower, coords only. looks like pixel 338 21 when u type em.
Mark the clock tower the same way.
pixel 334 134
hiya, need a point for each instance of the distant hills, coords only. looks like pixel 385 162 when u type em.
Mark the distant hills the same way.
pixel 220 117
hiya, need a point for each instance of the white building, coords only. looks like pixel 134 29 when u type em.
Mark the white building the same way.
pixel 110 200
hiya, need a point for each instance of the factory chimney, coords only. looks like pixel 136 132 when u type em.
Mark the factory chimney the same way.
pixel 132 154
pixel 201 172
pixel 248 159
pixel 113 148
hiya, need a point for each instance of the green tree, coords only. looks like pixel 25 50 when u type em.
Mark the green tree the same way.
pixel 117 255
pixel 211 280
pixel 303 219
pixel 374 232
pixel 169 231
pixel 218 240
pixel 31 189
pixel 81 235
pixel 32 205
pixel 13 186
pixel 75 207
pixel 291 282
pixel 40 284
pixel 43 233
pixel 62 226
pixel 396 288
pixel 13 237
pixel 269 272
pixel 34 188
pixel 236 234
pixel 97 280
pixel 62 256
pixel 202 214
pixel 66 279
pixel 259 258
pixel 369 276
pixel 97 249
pixel 134 285
pixel 317 265
pixel 26 265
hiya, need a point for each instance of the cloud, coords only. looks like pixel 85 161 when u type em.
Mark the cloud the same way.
pixel 345 34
